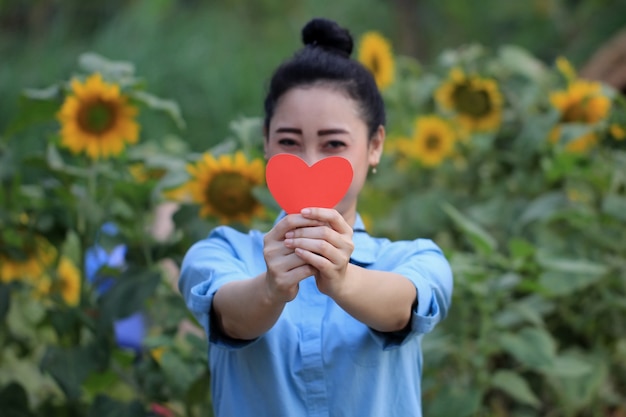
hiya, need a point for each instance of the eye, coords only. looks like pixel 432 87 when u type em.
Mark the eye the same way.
pixel 335 144
pixel 287 142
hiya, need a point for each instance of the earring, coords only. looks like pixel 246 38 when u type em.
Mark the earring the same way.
pixel 374 171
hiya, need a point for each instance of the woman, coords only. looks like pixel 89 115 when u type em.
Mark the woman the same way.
pixel 315 317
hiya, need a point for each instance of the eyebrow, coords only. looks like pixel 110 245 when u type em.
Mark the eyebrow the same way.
pixel 324 132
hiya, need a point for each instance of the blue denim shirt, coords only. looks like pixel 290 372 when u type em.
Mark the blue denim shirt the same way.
pixel 317 360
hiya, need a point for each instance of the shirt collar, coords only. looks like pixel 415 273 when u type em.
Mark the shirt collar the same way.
pixel 365 247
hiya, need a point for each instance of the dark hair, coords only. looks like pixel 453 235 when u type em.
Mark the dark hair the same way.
pixel 325 59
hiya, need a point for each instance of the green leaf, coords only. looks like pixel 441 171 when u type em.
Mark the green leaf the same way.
pixel 129 293
pixel 30 113
pixel 479 238
pixel 520 248
pixel 454 400
pixel 104 406
pixel 48 93
pixel 564 283
pixel 579 391
pixel 615 205
pixel 543 207
pixel 532 346
pixel 170 107
pixel 117 71
pixel 519 312
pixel 562 276
pixel 70 367
pixel 571 266
pixel 519 60
pixel 515 386
pixel 570 366
pixel 181 375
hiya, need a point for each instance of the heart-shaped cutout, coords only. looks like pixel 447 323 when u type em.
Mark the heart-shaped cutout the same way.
pixel 295 185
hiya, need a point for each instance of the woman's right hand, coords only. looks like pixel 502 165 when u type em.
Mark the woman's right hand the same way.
pixel 285 269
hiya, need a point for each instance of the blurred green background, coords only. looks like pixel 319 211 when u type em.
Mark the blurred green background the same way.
pixel 214 57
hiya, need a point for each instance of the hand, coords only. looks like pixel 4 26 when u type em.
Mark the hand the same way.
pixel 285 269
pixel 326 247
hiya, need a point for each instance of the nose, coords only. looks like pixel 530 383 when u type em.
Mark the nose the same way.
pixel 311 157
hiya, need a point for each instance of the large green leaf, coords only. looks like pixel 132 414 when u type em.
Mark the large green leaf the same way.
pixel 515 386
pixel 129 293
pixel 543 207
pixel 570 366
pixel 562 277
pixel 478 236
pixel 533 347
pixel 170 107
pixel 70 367
pixel 179 374
pixel 454 400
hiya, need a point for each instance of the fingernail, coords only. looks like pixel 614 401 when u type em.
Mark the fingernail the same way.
pixel 306 211
pixel 288 235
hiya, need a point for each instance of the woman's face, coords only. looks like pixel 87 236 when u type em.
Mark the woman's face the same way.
pixel 317 122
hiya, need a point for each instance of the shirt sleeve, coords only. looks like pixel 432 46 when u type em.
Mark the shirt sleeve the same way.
pixel 430 272
pixel 424 264
pixel 209 264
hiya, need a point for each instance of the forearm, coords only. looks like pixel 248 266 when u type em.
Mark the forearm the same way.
pixel 381 300
pixel 244 309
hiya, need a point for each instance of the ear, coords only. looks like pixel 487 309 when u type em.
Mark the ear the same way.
pixel 375 146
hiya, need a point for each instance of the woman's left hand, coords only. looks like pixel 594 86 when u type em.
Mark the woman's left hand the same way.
pixel 327 248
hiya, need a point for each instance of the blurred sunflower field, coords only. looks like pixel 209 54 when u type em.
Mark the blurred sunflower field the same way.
pixel 515 167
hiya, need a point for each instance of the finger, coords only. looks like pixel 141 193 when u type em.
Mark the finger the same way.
pixel 315 232
pixel 320 263
pixel 290 222
pixel 319 247
pixel 303 272
pixel 329 216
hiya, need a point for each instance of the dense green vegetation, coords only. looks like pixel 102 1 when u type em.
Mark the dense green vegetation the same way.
pixel 511 162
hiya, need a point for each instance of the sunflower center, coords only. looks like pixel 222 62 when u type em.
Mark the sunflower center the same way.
pixel 230 194
pixel 574 113
pixel 471 101
pixel 432 142
pixel 375 65
pixel 97 116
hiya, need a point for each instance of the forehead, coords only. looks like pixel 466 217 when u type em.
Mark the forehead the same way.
pixel 317 103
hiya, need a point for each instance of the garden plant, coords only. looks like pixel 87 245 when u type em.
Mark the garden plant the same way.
pixel 514 166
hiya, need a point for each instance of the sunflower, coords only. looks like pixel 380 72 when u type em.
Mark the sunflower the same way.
pixel 68 282
pixel 432 142
pixel 97 119
pixel 582 102
pixel 375 54
pixel 476 101
pixel 36 257
pixel 223 187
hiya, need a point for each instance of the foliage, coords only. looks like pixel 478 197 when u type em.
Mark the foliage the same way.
pixel 478 157
pixel 533 226
pixel 70 359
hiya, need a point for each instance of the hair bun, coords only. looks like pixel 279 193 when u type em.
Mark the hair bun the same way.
pixel 328 35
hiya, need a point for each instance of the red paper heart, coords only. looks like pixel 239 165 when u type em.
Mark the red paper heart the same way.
pixel 295 185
